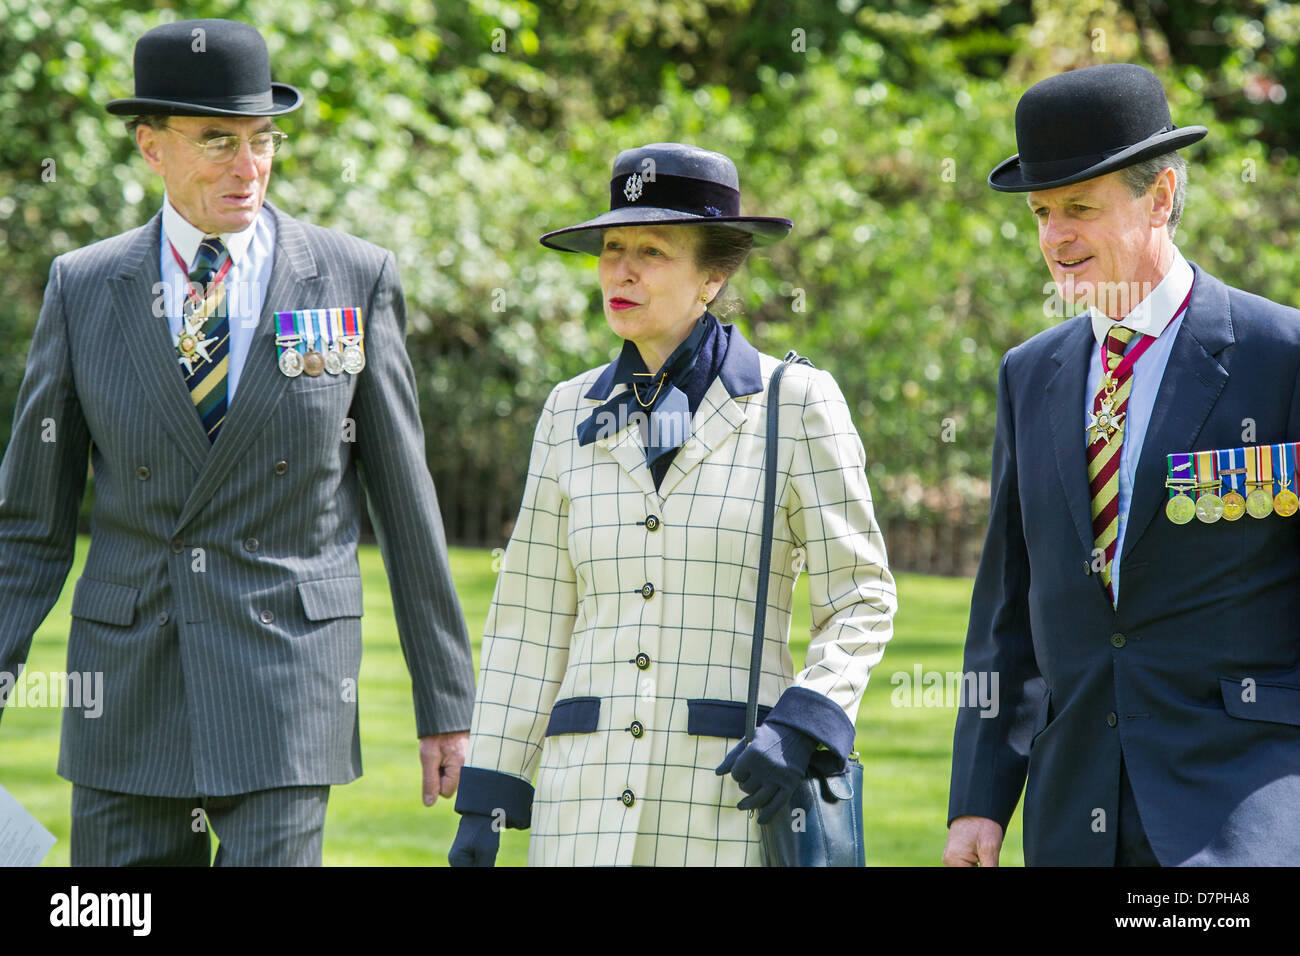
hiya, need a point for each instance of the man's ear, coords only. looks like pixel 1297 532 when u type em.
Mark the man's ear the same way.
pixel 147 139
pixel 1162 198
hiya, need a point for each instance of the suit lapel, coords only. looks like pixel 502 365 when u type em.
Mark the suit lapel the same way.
pixel 718 416
pixel 1192 383
pixel 1065 398
pixel 131 293
pixel 261 384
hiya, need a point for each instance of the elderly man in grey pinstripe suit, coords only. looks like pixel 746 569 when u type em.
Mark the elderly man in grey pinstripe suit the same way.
pixel 221 597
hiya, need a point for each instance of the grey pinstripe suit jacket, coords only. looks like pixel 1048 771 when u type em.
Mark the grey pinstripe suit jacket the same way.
pixel 221 596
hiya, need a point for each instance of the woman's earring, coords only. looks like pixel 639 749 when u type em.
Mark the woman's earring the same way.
pixel 704 297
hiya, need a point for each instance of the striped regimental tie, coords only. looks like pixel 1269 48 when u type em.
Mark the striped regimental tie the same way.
pixel 1105 441
pixel 206 377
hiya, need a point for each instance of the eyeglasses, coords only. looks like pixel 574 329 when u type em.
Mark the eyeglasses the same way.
pixel 223 149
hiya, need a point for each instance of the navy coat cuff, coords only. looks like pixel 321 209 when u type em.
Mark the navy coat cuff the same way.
pixel 817 716
pixel 486 792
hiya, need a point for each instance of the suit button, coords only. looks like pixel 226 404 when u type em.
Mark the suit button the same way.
pixel 1111 719
pixel 142 473
pixel 281 467
pixel 647 590
pixel 651 523
pixel 252 544
pixel 643 661
pixel 267 617
pixel 628 798
pixel 162 618
pixel 1118 640
pixel 177 545
pixel 637 729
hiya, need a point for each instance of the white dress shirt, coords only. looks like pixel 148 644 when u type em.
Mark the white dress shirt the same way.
pixel 1150 317
pixel 251 253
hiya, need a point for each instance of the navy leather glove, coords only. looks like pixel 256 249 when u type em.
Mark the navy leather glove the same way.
pixel 477 842
pixel 770 768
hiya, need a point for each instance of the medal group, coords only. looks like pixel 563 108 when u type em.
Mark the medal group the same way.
pixel 1256 480
pixel 338 333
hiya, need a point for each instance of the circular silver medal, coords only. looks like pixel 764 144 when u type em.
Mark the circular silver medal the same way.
pixel 333 362
pixel 354 360
pixel 291 362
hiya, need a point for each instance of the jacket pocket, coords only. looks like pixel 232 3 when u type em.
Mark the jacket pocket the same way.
pixel 719 718
pixel 105 602
pixel 574 715
pixel 335 597
pixel 1275 703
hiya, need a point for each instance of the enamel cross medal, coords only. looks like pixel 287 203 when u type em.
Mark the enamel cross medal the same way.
pixel 191 346
pixel 1105 423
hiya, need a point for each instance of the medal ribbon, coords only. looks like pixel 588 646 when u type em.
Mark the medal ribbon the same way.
pixel 286 325
pixel 1207 473
pixel 1229 462
pixel 1180 469
pixel 1136 352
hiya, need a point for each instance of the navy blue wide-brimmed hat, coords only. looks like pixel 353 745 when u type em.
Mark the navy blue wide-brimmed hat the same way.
pixel 1087 123
pixel 205 68
pixel 669 184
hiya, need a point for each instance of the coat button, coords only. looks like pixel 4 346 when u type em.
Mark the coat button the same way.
pixel 628 798
pixel 651 523
pixel 1111 719
pixel 267 617
pixel 162 618
pixel 1118 640
pixel 643 661
pixel 637 729
pixel 647 590
pixel 142 473
pixel 252 544
pixel 281 467
pixel 177 546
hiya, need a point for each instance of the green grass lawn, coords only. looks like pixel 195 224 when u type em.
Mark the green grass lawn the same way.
pixel 380 821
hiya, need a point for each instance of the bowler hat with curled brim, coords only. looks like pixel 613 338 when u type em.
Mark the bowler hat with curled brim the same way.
pixel 669 184
pixel 1087 123
pixel 205 68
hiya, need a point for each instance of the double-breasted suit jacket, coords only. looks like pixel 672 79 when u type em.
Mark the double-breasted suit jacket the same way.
pixel 616 652
pixel 221 596
pixel 1193 677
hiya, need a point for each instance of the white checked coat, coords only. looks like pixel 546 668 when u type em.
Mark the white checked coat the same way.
pixel 616 652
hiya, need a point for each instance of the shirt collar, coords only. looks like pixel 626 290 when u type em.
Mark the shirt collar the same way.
pixel 185 236
pixel 1150 316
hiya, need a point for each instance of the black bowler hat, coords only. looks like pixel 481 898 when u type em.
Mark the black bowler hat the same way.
pixel 669 184
pixel 1086 123
pixel 205 68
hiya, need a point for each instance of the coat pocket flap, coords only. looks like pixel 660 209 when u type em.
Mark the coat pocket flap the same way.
pixel 719 718
pixel 574 715
pixel 335 597
pixel 1259 700
pixel 105 602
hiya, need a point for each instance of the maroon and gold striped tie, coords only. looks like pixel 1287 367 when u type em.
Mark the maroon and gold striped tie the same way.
pixel 1109 405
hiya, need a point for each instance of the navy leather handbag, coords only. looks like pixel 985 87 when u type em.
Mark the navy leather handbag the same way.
pixel 823 824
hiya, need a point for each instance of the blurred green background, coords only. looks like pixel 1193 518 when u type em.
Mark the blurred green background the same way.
pixel 379 820
pixel 456 133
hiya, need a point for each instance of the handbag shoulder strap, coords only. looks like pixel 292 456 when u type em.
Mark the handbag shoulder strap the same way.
pixel 765 551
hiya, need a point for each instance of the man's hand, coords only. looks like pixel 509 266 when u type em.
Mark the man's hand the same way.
pixel 973 841
pixel 442 756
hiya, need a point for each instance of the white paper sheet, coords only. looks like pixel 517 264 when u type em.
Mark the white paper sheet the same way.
pixel 23 841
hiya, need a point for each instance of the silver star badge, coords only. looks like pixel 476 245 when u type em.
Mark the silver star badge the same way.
pixel 190 344
pixel 1105 423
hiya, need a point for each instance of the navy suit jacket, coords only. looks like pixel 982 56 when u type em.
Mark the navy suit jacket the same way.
pixel 1193 678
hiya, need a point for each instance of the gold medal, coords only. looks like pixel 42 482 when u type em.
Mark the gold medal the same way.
pixel 1180 509
pixel 1234 506
pixel 1285 503
pixel 1259 503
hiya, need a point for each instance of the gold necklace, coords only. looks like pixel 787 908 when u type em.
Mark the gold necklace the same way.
pixel 652 397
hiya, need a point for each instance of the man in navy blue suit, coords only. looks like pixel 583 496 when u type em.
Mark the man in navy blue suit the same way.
pixel 1143 622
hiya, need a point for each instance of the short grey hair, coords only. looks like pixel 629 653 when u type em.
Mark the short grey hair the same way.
pixel 152 120
pixel 1141 177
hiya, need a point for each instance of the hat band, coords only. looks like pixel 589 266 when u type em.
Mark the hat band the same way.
pixel 242 101
pixel 1057 168
pixel 696 197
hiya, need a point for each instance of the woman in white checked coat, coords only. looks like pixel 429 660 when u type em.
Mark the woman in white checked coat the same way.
pixel 616 654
